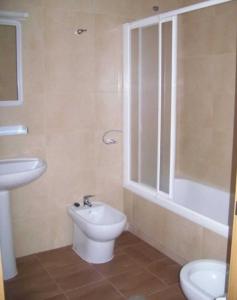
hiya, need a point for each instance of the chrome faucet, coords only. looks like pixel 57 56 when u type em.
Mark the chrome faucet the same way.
pixel 86 201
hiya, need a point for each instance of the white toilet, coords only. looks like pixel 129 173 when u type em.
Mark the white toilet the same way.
pixel 95 229
pixel 204 279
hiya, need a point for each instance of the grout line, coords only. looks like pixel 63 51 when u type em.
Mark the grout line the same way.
pixel 51 277
pixel 84 285
pixel 157 276
pixel 161 279
pixel 64 292
pixel 117 290
pixel 167 288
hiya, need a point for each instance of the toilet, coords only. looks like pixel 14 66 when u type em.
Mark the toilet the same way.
pixel 95 231
pixel 204 279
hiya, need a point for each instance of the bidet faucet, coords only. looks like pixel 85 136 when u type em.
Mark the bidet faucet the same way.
pixel 86 201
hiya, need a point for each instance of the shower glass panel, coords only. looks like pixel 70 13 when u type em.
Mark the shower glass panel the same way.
pixel 150 85
pixel 165 115
pixel 144 104
pixel 148 104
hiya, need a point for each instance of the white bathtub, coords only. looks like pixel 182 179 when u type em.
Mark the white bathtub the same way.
pixel 199 203
pixel 202 204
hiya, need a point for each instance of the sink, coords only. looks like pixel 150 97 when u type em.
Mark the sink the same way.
pixel 14 173
pixel 20 171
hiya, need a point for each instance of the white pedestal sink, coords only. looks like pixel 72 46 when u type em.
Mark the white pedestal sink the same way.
pixel 13 173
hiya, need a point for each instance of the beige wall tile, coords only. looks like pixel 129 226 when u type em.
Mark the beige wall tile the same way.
pixel 108 54
pixel 115 7
pixel 48 231
pixel 29 145
pixel 149 218
pixel 69 57
pixel 79 5
pixel 214 246
pixel 146 6
pixel 128 205
pixel 21 5
pixel 71 162
pixel 108 107
pixel 109 190
pixel 31 200
pixel 205 129
pixel 183 236
pixel 70 112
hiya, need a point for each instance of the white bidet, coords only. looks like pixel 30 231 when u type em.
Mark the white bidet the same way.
pixel 95 231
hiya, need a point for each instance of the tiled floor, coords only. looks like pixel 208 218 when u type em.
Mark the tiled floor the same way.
pixel 136 270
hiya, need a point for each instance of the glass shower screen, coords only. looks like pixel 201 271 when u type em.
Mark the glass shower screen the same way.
pixel 150 100
pixel 144 110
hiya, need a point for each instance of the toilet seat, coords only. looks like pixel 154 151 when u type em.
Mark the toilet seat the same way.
pixel 204 279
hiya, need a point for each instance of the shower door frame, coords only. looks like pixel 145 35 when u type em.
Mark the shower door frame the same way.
pixel 154 20
pixel 149 193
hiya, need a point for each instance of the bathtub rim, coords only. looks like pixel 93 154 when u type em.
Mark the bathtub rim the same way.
pixel 165 202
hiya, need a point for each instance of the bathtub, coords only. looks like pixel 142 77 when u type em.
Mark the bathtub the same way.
pixel 199 203
pixel 202 204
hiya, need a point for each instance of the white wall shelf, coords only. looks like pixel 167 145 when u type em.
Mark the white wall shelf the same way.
pixel 14 15
pixel 13 130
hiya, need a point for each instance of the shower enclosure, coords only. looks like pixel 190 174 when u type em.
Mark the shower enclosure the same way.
pixel 179 94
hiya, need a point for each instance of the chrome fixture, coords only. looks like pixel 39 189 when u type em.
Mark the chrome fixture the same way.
pixel 86 201
pixel 80 31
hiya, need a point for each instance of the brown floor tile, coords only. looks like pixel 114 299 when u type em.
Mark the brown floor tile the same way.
pixel 58 297
pixel 28 266
pixel 124 240
pixel 100 291
pixel 166 269
pixel 143 253
pixel 137 269
pixel 63 271
pixel 58 257
pixel 171 293
pixel 39 287
pixel 75 280
pixel 138 283
pixel 119 264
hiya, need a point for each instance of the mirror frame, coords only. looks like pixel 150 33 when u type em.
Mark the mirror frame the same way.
pixel 19 100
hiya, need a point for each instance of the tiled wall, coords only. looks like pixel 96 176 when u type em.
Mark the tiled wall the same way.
pixel 72 94
pixel 175 236
pixel 206 94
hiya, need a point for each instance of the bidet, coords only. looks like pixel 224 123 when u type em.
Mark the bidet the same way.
pixel 95 229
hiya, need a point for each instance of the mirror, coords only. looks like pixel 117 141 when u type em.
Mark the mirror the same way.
pixel 10 63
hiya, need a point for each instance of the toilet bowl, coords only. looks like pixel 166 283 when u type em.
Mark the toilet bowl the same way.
pixel 95 231
pixel 204 279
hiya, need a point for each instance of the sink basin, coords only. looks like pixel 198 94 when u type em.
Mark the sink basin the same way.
pixel 20 171
pixel 13 174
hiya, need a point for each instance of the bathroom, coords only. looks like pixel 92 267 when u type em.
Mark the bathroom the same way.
pixel 73 94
